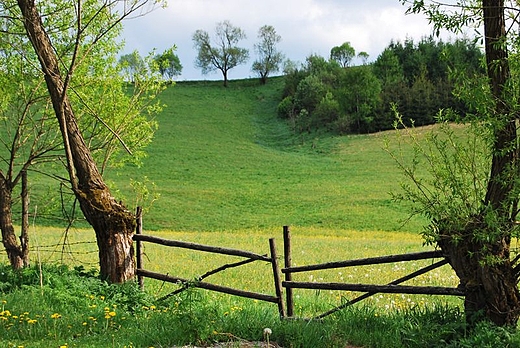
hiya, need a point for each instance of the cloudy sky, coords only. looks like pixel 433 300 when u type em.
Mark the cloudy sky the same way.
pixel 306 27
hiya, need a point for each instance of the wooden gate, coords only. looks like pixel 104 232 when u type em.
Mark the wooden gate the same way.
pixel 199 283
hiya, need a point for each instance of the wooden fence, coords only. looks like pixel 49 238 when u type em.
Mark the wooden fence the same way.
pixel 249 257
pixel 287 309
pixel 368 289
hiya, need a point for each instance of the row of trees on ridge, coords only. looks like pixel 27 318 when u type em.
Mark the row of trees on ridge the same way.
pixel 222 54
pixel 331 94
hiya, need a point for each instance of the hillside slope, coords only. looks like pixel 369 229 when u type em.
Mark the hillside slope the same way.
pixel 222 160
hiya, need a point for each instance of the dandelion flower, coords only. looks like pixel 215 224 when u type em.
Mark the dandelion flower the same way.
pixel 267 331
pixel 56 316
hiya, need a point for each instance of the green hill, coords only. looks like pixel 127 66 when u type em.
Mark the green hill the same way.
pixel 222 160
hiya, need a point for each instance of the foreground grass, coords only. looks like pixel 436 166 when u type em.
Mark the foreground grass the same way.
pixel 57 307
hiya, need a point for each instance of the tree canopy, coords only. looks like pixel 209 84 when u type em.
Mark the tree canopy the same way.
pixel 269 58
pixel 169 63
pixel 413 76
pixel 224 54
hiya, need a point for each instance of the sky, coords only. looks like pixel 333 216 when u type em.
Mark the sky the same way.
pixel 306 27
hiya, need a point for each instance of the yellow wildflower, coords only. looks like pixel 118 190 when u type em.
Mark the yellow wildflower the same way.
pixel 56 316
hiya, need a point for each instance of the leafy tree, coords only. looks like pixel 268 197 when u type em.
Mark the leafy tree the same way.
pixel 293 76
pixel 74 49
pixel 327 111
pixel 132 65
pixel 388 68
pixel 224 55
pixel 363 56
pixel 473 199
pixel 359 97
pixel 269 58
pixel 169 63
pixel 343 54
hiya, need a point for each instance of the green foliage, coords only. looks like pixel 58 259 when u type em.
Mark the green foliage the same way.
pixel 132 65
pixel 224 54
pixel 309 93
pixel 169 63
pixel 343 54
pixel 116 120
pixel 415 77
pixel 327 111
pixel 446 177
pixel 269 58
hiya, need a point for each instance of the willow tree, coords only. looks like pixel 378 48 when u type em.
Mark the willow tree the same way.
pixel 73 45
pixel 472 201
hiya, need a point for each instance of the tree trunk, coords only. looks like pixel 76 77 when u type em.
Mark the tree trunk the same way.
pixel 490 287
pixel 24 235
pixel 484 266
pixel 14 252
pixel 113 223
pixel 224 73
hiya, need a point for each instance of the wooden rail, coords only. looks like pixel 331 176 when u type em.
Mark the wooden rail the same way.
pixel 368 289
pixel 288 284
pixel 198 283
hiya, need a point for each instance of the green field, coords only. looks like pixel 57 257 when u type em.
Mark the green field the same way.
pixel 230 173
pixel 222 161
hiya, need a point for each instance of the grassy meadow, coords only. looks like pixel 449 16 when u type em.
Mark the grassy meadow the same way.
pixel 228 172
pixel 222 160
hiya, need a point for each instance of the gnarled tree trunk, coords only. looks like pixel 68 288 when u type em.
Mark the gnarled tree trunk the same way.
pixel 112 222
pixel 490 286
pixel 484 266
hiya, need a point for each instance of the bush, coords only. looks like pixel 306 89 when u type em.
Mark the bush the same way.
pixel 286 108
pixel 327 111
pixel 309 93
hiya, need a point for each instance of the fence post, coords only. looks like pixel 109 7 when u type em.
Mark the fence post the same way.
pixel 139 254
pixel 277 281
pixel 287 264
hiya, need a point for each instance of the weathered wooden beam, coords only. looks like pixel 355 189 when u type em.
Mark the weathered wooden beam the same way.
pixel 395 282
pixel 389 289
pixel 200 247
pixel 208 286
pixel 366 261
pixel 276 274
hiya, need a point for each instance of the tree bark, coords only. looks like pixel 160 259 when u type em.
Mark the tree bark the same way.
pixel 483 265
pixel 14 251
pixel 113 223
pixel 490 287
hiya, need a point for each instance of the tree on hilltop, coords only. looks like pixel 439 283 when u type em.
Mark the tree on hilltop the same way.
pixel 169 63
pixel 269 58
pixel 224 55
pixel 343 54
